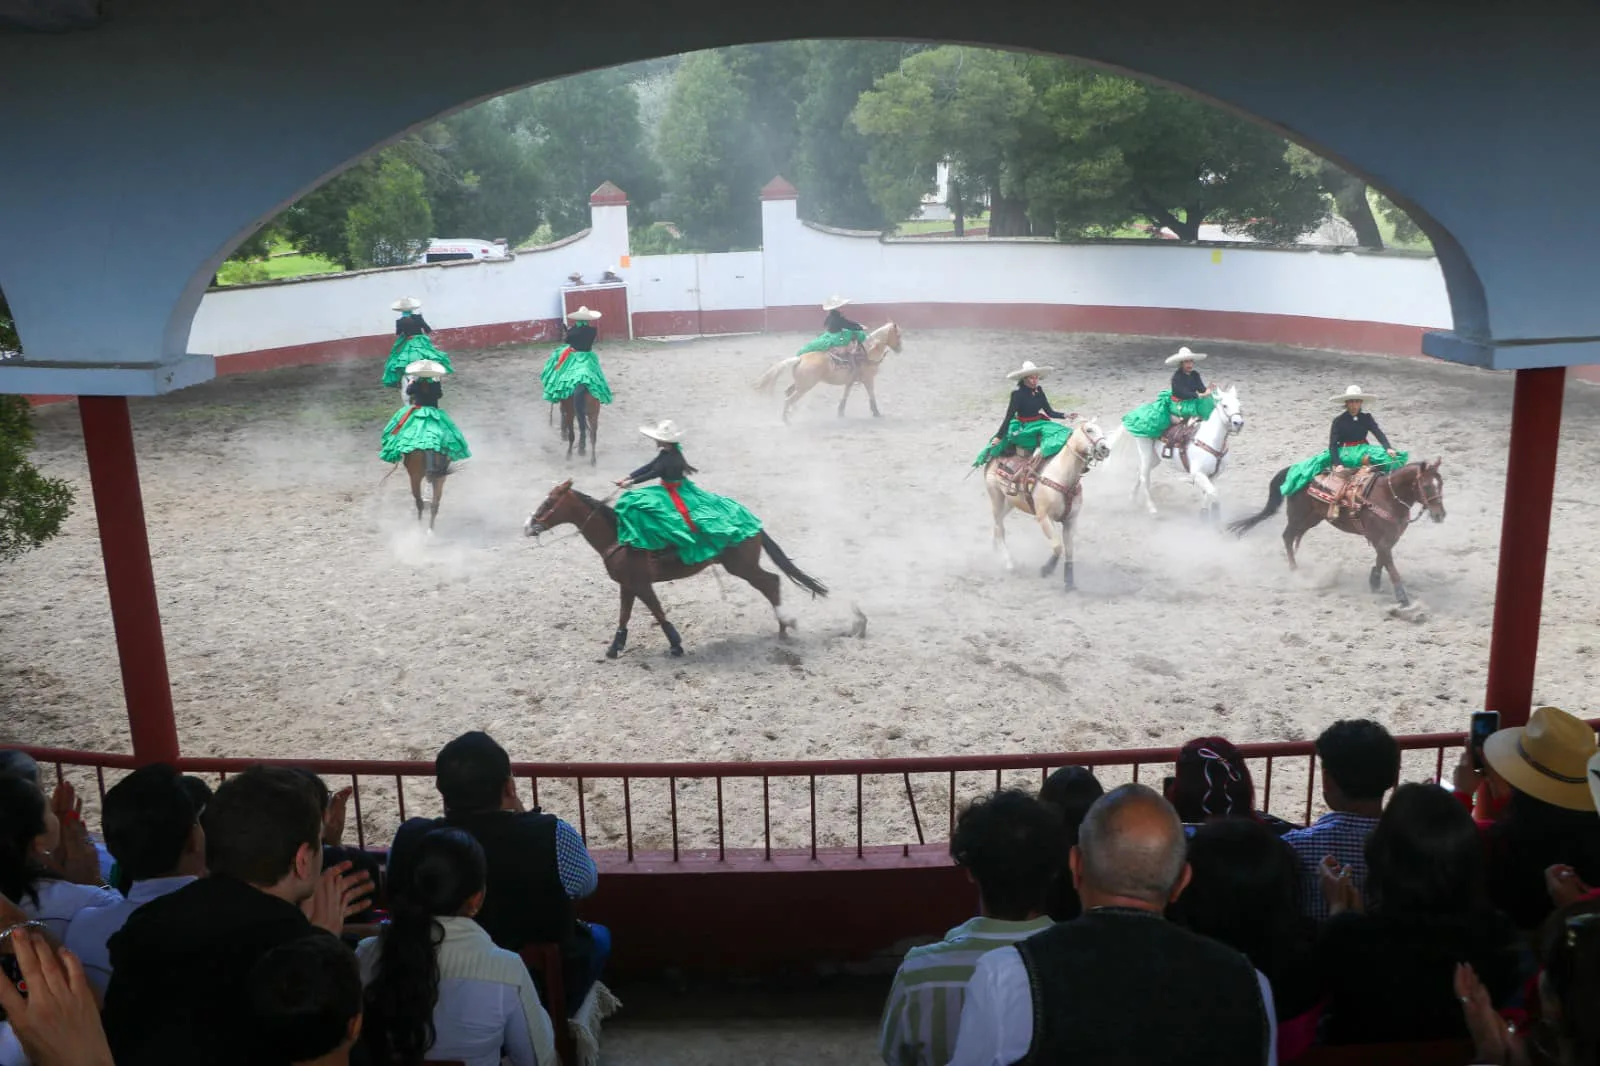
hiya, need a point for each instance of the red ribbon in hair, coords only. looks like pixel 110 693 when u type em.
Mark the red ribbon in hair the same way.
pixel 677 501
pixel 402 421
pixel 562 358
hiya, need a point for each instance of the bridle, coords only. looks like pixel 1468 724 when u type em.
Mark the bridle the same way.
pixel 595 507
pixel 1424 500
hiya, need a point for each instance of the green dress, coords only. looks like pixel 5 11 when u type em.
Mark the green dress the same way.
pixel 566 369
pixel 422 429
pixel 1300 474
pixel 1048 436
pixel 679 514
pixel 1152 419
pixel 408 350
pixel 841 339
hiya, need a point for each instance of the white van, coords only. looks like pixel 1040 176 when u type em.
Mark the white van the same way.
pixel 444 250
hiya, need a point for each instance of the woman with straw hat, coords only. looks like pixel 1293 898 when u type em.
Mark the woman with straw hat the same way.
pixel 1027 424
pixel 411 344
pixel 573 364
pixel 677 513
pixel 1189 399
pixel 1347 445
pixel 421 425
pixel 837 330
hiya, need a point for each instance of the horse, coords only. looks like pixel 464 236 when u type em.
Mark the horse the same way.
pixel 1382 517
pixel 433 466
pixel 1052 499
pixel 815 368
pixel 583 407
pixel 636 570
pixel 1202 457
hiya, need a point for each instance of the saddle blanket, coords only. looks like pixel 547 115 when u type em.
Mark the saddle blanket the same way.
pixel 1348 491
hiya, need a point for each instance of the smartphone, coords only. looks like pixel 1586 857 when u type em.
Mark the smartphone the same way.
pixel 10 971
pixel 1484 724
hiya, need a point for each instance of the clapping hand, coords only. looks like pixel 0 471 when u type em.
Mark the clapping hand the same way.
pixel 1564 885
pixel 333 820
pixel 1493 1039
pixel 340 892
pixel 1338 886
pixel 74 857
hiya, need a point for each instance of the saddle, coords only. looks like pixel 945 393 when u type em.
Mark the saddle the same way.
pixel 1020 474
pixel 1344 491
pixel 850 356
pixel 1176 439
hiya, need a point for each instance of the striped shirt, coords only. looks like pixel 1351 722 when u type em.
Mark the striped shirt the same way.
pixel 923 1014
pixel 1337 833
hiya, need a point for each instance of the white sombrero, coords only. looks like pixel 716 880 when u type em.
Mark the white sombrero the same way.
pixel 833 303
pixel 1027 370
pixel 666 431
pixel 1353 393
pixel 406 303
pixel 1184 355
pixel 583 314
pixel 426 368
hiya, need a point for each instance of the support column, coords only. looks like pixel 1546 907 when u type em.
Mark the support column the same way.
pixel 130 580
pixel 1524 538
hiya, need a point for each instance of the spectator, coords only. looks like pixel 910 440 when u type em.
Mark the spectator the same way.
pixel 1007 843
pixel 1244 892
pixel 437 986
pixel 305 1002
pixel 1212 781
pixel 335 807
pixel 1360 763
pixel 154 833
pixel 180 963
pixel 30 831
pixel 1071 790
pixel 1568 1032
pixel 1389 970
pixel 1548 817
pixel 199 793
pixel 58 1022
pixel 537 864
pixel 1120 984
pixel 17 763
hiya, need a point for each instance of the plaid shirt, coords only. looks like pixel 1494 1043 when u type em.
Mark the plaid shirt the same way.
pixel 1342 835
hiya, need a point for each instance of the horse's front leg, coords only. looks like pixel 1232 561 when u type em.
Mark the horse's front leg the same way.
pixel 1386 560
pixel 435 490
pixel 674 642
pixel 846 397
pixel 1068 581
pixel 1210 506
pixel 619 640
pixel 872 396
pixel 998 503
pixel 1058 548
pixel 1148 461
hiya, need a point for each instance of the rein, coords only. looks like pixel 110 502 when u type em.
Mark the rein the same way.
pixel 595 507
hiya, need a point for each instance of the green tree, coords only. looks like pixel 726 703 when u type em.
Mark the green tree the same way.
pixel 1112 150
pixel 392 224
pixel 1348 193
pixel 316 223
pixel 964 106
pixel 831 158
pixel 486 182
pixel 32 506
pixel 586 130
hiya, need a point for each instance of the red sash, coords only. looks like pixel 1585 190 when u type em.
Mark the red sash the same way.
pixel 563 357
pixel 1351 443
pixel 403 419
pixel 677 501
pixel 1033 418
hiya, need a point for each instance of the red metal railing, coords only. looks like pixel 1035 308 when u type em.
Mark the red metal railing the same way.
pixel 893 801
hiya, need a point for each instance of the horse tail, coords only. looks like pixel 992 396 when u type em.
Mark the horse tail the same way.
pixel 765 382
pixel 1274 501
pixel 791 571
pixel 580 406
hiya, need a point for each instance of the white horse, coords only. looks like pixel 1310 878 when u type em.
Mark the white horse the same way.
pixel 1201 460
pixel 1053 500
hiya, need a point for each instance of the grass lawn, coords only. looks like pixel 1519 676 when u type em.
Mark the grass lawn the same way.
pixel 284 262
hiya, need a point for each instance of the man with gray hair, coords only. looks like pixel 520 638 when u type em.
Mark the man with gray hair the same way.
pixel 1120 984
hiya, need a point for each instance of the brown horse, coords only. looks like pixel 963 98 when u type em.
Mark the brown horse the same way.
pixel 583 408
pixel 815 368
pixel 432 466
pixel 636 571
pixel 1382 517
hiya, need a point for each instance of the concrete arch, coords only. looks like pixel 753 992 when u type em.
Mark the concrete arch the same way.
pixel 143 147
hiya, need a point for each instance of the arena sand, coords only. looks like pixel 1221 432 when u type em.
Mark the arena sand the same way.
pixel 307 616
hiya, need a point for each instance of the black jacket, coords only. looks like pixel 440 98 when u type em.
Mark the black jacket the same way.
pixel 1026 402
pixel 1353 429
pixel 1187 386
pixel 411 325
pixel 425 392
pixel 581 337
pixel 668 465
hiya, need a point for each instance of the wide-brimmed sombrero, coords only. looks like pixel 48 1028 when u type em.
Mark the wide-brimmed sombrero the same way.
pixel 833 303
pixel 583 314
pixel 1353 393
pixel 1594 780
pixel 406 303
pixel 1548 758
pixel 666 431
pixel 1184 355
pixel 426 368
pixel 1028 370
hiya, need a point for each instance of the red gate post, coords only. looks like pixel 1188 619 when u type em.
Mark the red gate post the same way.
pixel 130 580
pixel 1524 538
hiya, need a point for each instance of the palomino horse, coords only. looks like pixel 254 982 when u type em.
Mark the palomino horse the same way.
pixel 1381 517
pixel 1052 499
pixel 1201 459
pixel 815 368
pixel 432 466
pixel 636 571
pixel 583 408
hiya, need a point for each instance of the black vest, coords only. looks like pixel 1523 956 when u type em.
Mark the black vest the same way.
pixel 1129 988
pixel 524 901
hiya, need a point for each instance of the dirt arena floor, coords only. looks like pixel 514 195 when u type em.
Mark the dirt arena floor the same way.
pixel 306 614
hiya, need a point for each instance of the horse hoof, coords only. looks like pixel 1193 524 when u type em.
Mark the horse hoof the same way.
pixel 611 653
pixel 676 651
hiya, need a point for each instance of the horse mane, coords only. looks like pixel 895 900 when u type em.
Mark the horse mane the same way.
pixel 598 505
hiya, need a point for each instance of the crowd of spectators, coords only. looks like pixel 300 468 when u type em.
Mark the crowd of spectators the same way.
pixel 1129 925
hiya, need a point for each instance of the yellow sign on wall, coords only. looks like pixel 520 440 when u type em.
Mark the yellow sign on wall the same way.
pixel 1216 255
